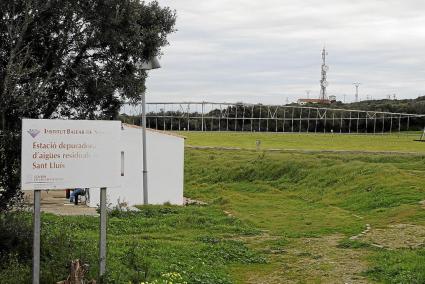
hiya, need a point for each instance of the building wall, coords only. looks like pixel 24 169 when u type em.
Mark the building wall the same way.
pixel 165 170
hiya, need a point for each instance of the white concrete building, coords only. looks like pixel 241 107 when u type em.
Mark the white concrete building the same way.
pixel 165 161
pixel 303 102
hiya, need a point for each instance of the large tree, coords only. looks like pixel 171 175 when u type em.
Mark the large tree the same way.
pixel 71 59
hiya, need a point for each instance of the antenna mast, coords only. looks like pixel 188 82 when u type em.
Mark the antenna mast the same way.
pixel 323 81
pixel 308 93
pixel 357 85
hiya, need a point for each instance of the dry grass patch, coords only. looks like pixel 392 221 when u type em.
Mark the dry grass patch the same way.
pixel 396 236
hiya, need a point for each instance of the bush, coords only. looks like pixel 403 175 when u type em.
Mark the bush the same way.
pixel 59 246
pixel 16 236
pixel 154 245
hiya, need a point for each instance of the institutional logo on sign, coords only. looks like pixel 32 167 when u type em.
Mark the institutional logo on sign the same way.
pixel 33 132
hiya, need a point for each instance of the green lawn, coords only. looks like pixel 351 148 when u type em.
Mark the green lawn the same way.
pixel 393 142
pixel 272 217
pixel 298 195
pixel 142 246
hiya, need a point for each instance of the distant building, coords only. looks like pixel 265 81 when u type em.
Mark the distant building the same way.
pixel 332 98
pixel 313 101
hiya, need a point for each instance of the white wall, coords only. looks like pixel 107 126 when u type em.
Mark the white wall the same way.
pixel 165 155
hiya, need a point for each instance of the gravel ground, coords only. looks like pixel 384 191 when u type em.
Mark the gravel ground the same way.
pixel 56 203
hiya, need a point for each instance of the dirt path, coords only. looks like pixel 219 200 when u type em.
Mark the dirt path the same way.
pixel 396 236
pixel 56 203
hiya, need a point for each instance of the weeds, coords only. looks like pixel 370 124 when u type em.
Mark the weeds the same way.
pixel 399 266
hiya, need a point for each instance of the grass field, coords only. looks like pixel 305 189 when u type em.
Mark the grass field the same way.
pixel 142 246
pixel 272 217
pixel 310 204
pixel 392 142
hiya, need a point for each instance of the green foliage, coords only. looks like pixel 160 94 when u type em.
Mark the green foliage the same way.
pixel 149 245
pixel 138 264
pixel 15 237
pixel 13 270
pixel 70 59
pixel 400 106
pixel 167 278
pixel 58 242
pixel 399 266
pixel 352 182
pixel 347 243
pixel 335 121
pixel 292 195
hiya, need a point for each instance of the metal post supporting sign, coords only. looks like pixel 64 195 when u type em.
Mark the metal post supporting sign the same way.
pixel 36 239
pixel 102 239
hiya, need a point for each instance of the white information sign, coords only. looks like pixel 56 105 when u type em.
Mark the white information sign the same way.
pixel 62 154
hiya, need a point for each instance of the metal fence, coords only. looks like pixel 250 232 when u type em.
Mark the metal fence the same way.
pixel 211 116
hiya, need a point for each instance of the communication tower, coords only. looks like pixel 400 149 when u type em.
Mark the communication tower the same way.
pixel 323 82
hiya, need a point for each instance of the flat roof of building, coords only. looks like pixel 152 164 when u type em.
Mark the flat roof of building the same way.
pixel 314 101
pixel 154 130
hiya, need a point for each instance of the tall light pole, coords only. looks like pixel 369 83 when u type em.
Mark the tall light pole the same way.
pixel 308 93
pixel 356 84
pixel 153 63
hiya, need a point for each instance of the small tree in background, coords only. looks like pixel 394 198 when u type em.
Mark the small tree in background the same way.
pixel 70 59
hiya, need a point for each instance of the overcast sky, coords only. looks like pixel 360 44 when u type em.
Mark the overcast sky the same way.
pixel 267 51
